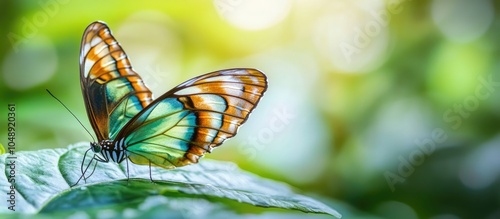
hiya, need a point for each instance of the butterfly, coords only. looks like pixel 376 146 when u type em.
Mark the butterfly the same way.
pixel 173 130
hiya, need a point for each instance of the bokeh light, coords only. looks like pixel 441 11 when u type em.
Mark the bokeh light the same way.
pixel 253 14
pixel 30 64
pixel 353 36
pixel 462 20
pixel 154 55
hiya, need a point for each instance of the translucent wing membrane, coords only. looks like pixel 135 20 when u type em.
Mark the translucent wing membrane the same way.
pixel 183 124
pixel 174 130
pixel 113 92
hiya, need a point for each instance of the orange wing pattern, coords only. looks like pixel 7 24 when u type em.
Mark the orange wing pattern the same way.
pixel 112 90
pixel 182 125
pixel 174 130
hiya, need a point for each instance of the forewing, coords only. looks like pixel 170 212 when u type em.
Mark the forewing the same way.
pixel 113 92
pixel 193 118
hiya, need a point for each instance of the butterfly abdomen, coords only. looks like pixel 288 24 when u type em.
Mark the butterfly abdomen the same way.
pixel 113 150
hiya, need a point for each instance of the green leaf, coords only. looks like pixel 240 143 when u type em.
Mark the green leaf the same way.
pixel 43 179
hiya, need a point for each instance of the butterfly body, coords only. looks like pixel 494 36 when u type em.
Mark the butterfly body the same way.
pixel 110 150
pixel 173 130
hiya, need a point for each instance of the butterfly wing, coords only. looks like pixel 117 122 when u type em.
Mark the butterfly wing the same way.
pixel 193 118
pixel 113 92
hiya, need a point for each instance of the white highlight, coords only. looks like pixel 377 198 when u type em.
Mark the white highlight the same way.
pixel 88 65
pixel 222 78
pixel 95 41
pixel 254 14
pixel 462 20
pixel 354 38
pixel 189 90
pixel 85 50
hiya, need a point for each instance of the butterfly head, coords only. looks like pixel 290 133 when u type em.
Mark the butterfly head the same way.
pixel 106 145
pixel 96 148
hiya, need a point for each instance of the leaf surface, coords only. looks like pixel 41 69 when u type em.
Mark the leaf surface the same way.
pixel 43 179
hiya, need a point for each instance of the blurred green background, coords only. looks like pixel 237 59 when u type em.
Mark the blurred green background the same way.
pixel 389 107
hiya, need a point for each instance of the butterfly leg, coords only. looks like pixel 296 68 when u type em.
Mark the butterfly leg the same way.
pixel 128 173
pixel 84 171
pixel 77 181
pixel 150 176
pixel 95 159
pixel 81 166
pixel 93 170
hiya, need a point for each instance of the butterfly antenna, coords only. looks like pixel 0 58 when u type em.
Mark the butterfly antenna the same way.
pixel 71 113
